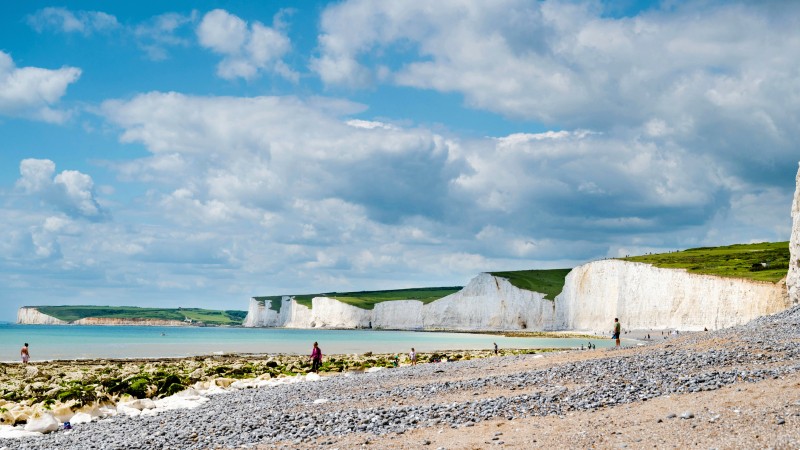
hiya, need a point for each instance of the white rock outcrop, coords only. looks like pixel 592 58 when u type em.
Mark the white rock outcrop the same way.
pixel 32 316
pixel 43 423
pixel 28 315
pixel 486 303
pixel 490 303
pixel 645 297
pixel 793 277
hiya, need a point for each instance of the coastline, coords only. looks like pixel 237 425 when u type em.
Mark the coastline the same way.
pixel 82 390
pixel 722 389
pixel 730 388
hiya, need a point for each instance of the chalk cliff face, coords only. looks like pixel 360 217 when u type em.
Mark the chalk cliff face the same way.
pixel 644 296
pixel 641 295
pixel 32 316
pixel 490 303
pixel 487 303
pixel 793 277
pixel 139 322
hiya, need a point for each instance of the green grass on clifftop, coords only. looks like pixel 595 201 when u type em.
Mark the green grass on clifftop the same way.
pixel 548 282
pixel 368 299
pixel 207 316
pixel 736 261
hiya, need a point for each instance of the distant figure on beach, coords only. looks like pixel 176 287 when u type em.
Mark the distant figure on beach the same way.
pixel 413 356
pixel 495 349
pixel 26 356
pixel 316 358
pixel 617 329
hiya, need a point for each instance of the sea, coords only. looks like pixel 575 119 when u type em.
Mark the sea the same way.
pixel 68 342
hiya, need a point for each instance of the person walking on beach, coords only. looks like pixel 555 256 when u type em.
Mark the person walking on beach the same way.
pixel 617 329
pixel 495 349
pixel 24 354
pixel 316 358
pixel 413 356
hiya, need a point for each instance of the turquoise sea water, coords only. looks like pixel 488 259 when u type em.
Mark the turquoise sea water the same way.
pixel 49 342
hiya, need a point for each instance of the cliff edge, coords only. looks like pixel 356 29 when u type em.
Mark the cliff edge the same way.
pixel 28 315
pixel 31 316
pixel 647 297
pixel 793 277
pixel 641 295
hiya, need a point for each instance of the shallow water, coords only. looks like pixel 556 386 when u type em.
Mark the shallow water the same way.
pixel 84 342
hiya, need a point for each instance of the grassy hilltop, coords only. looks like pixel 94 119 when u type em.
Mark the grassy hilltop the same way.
pixel 734 261
pixel 549 282
pixel 206 316
pixel 368 299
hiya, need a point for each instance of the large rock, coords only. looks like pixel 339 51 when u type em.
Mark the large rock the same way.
pixel 644 297
pixel 793 277
pixel 44 423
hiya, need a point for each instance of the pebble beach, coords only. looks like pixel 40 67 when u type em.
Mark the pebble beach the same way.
pixel 730 388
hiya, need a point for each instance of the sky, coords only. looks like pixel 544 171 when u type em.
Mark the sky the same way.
pixel 196 154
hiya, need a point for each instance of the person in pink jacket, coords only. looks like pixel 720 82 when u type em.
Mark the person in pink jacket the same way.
pixel 316 358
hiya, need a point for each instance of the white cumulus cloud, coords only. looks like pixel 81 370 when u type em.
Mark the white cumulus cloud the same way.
pixel 70 191
pixel 248 50
pixel 32 92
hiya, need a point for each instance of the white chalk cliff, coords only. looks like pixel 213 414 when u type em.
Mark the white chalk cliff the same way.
pixel 28 315
pixel 644 296
pixel 486 303
pixel 793 277
pixel 641 295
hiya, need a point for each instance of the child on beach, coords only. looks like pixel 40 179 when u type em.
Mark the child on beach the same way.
pixel 24 354
pixel 413 356
pixel 316 358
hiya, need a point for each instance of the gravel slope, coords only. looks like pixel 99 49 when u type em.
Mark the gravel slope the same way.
pixel 601 398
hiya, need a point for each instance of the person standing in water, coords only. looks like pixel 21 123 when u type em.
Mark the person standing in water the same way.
pixel 617 330
pixel 316 358
pixel 24 354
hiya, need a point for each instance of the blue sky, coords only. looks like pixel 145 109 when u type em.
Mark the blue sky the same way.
pixel 199 153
